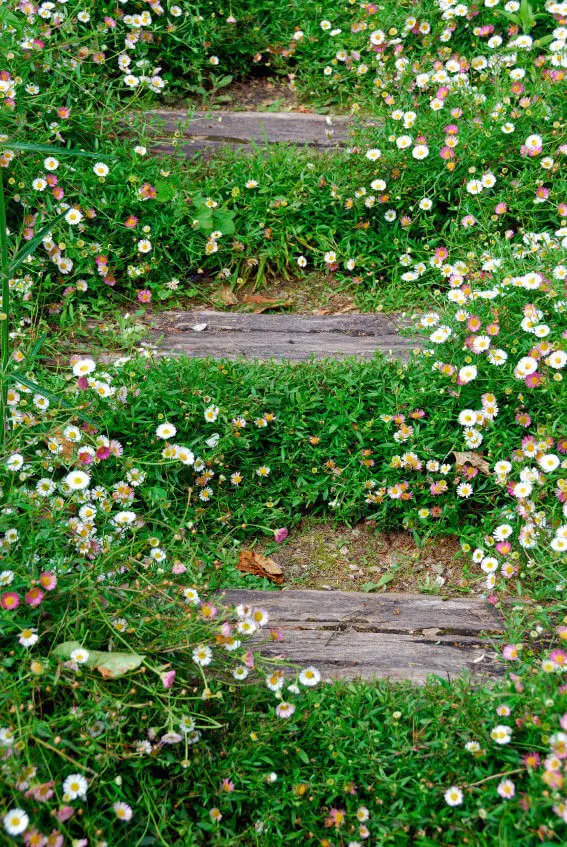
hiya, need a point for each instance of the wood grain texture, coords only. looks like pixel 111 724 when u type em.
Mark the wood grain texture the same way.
pixel 387 612
pixel 348 655
pixel 289 337
pixel 206 146
pixel 367 324
pixel 292 347
pixel 398 636
pixel 239 128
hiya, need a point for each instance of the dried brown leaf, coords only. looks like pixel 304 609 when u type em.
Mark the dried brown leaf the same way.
pixel 265 303
pixel 226 295
pixel 469 457
pixel 255 563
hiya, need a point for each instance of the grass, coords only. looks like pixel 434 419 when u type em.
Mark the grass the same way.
pixel 374 753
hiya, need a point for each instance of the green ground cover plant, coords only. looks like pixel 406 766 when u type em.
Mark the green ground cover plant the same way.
pixel 139 516
pixel 132 708
pixel 465 147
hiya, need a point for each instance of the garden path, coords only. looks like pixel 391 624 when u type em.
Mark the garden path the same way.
pixel 344 634
pixel 259 336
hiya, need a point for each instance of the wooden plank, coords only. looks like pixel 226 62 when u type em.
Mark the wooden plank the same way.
pixel 348 655
pixel 292 346
pixel 387 612
pixel 398 636
pixel 240 128
pixel 279 337
pixel 230 335
pixel 367 324
pixel 194 146
pixel 209 146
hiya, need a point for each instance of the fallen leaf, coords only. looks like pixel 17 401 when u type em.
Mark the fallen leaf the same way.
pixel 255 563
pixel 65 446
pixel 265 303
pixel 260 298
pixel 471 458
pixel 113 665
pixel 199 327
pixel 110 665
pixel 376 586
pixel 226 295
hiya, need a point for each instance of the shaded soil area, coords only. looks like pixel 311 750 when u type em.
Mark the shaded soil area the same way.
pixel 260 94
pixel 254 94
pixel 318 555
pixel 314 295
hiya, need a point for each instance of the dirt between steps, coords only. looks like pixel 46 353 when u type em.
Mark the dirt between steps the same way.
pixel 319 556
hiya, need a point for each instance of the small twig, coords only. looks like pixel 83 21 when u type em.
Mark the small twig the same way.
pixel 494 776
pixel 61 753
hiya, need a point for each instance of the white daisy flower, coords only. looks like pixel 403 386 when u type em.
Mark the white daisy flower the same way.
pixel 166 431
pixel 453 796
pixel 15 821
pixel 75 786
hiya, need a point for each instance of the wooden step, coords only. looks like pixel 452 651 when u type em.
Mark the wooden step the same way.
pixel 397 636
pixel 290 337
pixel 210 131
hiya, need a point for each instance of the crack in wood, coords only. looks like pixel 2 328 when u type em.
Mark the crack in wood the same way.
pixel 465 636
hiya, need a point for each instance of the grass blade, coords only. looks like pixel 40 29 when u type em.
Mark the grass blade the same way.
pixel 15 376
pixel 48 148
pixel 32 244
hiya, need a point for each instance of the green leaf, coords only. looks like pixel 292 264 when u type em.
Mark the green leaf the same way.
pixel 513 18
pixel 110 665
pixel 165 191
pixel 224 222
pixel 36 348
pixel 303 756
pixel 113 665
pixel 542 42
pixel 157 494
pixel 205 222
pixel 222 81
pixel 384 580
pixel 7 18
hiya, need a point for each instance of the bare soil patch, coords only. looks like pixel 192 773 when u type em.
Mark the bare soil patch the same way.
pixel 319 556
pixel 315 295
pixel 261 94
